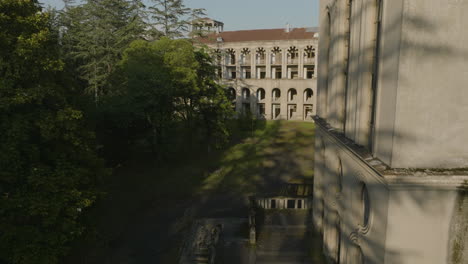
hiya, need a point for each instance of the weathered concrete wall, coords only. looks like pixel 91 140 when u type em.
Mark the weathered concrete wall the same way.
pixel 418 225
pixel 338 206
pixel 432 99
pixel 412 218
pixel 458 233
pixel 419 68
pixel 418 71
pixel 387 84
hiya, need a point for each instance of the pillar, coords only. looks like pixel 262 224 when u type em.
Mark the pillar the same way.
pixel 268 63
pixel 284 63
pixel 300 69
pixel 253 63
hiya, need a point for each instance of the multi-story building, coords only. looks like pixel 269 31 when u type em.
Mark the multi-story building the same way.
pixel 391 184
pixel 269 72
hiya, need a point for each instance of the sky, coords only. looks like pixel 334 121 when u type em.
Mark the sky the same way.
pixel 249 14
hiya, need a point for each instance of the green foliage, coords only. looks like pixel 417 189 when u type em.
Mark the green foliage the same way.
pixel 167 83
pixel 95 35
pixel 173 17
pixel 48 167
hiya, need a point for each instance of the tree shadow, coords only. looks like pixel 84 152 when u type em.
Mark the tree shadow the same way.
pixel 343 166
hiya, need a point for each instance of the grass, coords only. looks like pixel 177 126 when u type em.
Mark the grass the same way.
pixel 282 151
pixel 148 206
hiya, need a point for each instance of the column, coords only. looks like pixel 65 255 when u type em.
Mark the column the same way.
pixel 253 63
pixel 238 63
pixel 268 62
pixel 316 62
pixel 224 62
pixel 284 63
pixel 300 104
pixel 267 101
pixel 300 66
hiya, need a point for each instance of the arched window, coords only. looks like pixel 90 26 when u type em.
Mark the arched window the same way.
pixel 260 94
pixel 231 93
pixel 309 52
pixel 308 93
pixel 245 93
pixel 276 55
pixel 231 56
pixel 292 94
pixel 276 94
pixel 260 55
pixel 293 54
pixel 245 55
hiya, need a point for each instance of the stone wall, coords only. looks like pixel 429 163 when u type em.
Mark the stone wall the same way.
pixel 392 77
pixel 369 212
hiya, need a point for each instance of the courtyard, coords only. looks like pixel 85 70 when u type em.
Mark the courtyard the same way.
pixel 147 208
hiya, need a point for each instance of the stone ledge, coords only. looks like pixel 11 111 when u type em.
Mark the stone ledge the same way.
pixel 449 178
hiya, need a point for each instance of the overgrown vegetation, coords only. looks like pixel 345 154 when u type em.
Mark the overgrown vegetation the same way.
pixel 149 205
pixel 83 90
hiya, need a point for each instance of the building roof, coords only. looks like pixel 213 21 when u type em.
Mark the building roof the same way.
pixel 259 35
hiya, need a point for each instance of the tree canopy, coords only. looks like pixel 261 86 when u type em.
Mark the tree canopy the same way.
pixel 173 17
pixel 49 167
pixel 57 140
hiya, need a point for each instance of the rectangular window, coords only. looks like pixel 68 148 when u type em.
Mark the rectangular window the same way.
pixel 278 75
pixel 262 75
pixel 261 109
pixel 233 75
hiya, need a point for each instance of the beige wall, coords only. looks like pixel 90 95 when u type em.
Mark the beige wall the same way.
pixel 300 83
pixel 414 218
pixel 420 76
pixel 417 70
pixel 432 99
pixel 268 85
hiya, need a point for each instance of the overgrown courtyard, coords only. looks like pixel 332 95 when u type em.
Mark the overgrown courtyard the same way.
pixel 148 206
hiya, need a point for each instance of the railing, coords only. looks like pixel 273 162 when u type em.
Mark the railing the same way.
pixel 309 60
pixel 299 203
pixel 276 61
pixel 293 61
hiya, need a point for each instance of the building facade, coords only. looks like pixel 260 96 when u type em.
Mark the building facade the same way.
pixel 269 73
pixel 391 184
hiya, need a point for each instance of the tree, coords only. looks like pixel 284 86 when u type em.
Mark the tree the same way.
pixel 168 82
pixel 95 36
pixel 145 92
pixel 173 17
pixel 49 168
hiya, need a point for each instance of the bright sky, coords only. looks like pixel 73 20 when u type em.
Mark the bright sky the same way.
pixel 250 14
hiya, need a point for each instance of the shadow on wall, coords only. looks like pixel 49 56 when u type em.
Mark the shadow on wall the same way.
pixel 331 74
pixel 342 219
pixel 351 210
